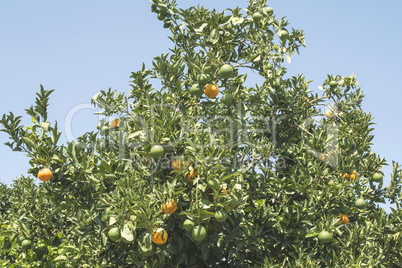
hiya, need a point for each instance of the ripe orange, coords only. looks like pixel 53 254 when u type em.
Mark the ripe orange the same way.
pixel 211 91
pixel 328 113
pixel 115 123
pixel 306 101
pixel 169 207
pixel 343 218
pixel 354 175
pixel 190 174
pixel 159 236
pixel 323 157
pixel 176 164
pixel 45 174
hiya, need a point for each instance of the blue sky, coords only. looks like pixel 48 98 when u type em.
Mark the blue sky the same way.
pixel 81 47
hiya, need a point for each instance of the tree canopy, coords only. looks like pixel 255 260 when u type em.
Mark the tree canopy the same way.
pixel 194 168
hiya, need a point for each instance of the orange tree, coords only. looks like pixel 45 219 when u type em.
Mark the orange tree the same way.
pixel 204 170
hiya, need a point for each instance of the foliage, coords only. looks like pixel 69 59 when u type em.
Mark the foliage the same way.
pixel 270 161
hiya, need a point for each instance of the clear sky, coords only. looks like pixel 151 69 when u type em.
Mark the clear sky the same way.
pixel 81 47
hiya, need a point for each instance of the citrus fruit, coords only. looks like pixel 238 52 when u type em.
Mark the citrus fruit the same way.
pixel 377 177
pixel 360 203
pixel 169 207
pixel 306 101
pixel 19 239
pixel 333 84
pixel 45 174
pixel 196 90
pixel 115 123
pixel 42 246
pixel 159 236
pixel 344 209
pixel 324 237
pixel 176 164
pixel 202 79
pixel 211 91
pixel 190 174
pixel 343 218
pixel 104 130
pixel 227 99
pixel 7 244
pixel 323 158
pixel 328 113
pixel 283 34
pixel 188 225
pixel 257 17
pixel 114 234
pixel 213 183
pixel 163 10
pixel 221 215
pixel 354 175
pixel 302 232
pixel 198 233
pixel 234 201
pixel 268 10
pixel 167 25
pixel 157 151
pixel 161 16
pixel 226 71
pixel 26 244
pixel 209 69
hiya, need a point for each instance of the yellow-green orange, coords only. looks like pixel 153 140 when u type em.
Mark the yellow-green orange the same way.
pixel 157 151
pixel 226 71
pixel 188 225
pixel 196 90
pixel 198 233
pixel 221 215
pixel 227 99
pixel 202 79
pixel 377 177
pixel 324 237
pixel 360 203
pixel 114 234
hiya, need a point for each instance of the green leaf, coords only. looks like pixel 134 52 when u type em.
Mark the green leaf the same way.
pixel 199 26
pixel 205 250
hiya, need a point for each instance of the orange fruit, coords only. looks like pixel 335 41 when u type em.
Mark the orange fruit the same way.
pixel 156 151
pixel 323 157
pixel 191 174
pixel 377 177
pixel 169 207
pixel 355 174
pixel 328 113
pixel 257 17
pixel 115 123
pixel 114 234
pixel 333 84
pixel 305 100
pixel 199 233
pixel 324 237
pixel 343 218
pixel 211 91
pixel 159 236
pixel 45 174
pixel 226 71
pixel 176 164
